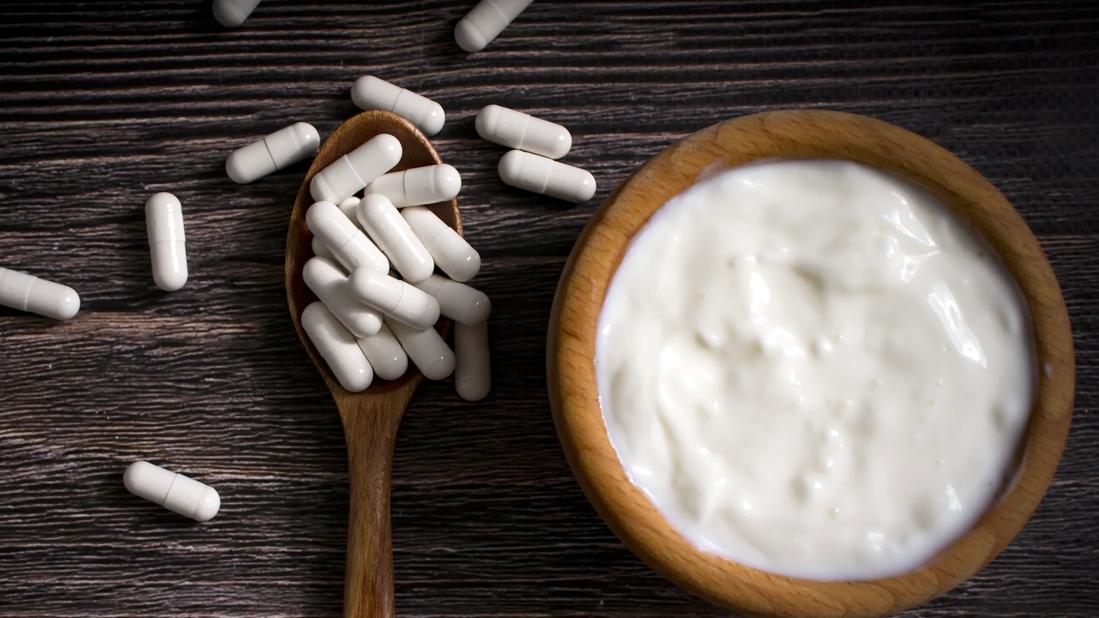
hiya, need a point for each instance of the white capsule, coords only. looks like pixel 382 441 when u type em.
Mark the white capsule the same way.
pixel 458 301
pixel 276 151
pixel 426 349
pixel 171 490
pixel 385 354
pixel 321 250
pixel 337 347
pixel 167 241
pixel 419 185
pixel 450 251
pixel 486 21
pixel 472 376
pixel 29 293
pixel 369 92
pixel 232 13
pixel 350 209
pixel 328 282
pixel 531 172
pixel 395 298
pixel 514 129
pixel 350 173
pixel 347 242
pixel 390 231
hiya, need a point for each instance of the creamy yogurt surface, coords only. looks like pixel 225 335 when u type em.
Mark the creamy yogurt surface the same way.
pixel 813 368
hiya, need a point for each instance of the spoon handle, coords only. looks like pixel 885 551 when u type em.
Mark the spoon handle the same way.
pixel 370 428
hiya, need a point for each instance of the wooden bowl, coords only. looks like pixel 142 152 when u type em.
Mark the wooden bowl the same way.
pixel 800 134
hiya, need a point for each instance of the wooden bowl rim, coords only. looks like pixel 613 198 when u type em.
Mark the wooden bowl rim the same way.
pixel 800 134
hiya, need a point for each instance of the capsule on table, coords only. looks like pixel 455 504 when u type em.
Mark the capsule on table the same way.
pixel 486 21
pixel 369 92
pixel 514 129
pixel 385 354
pixel 458 301
pixel 472 374
pixel 175 492
pixel 29 293
pixel 232 13
pixel 347 242
pixel 337 347
pixel 395 298
pixel 531 172
pixel 167 241
pixel 276 151
pixel 426 349
pixel 390 231
pixel 350 173
pixel 450 251
pixel 419 185
pixel 329 283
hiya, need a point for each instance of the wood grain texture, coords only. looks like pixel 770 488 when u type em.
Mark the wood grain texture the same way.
pixel 573 332
pixel 104 103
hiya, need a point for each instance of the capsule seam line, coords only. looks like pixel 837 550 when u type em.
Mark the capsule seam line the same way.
pixel 169 492
pixel 397 102
pixel 546 178
pixel 354 171
pixel 523 133
pixel 493 4
pixel 27 294
pixel 399 297
pixel 267 147
pixel 342 245
pixel 433 237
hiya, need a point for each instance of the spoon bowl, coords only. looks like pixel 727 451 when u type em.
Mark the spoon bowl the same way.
pixel 370 418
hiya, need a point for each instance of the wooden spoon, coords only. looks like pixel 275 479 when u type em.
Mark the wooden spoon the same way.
pixel 370 419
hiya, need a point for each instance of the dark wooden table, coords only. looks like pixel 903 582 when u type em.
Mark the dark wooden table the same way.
pixel 104 103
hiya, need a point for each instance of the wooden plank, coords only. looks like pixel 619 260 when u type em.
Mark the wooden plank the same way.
pixel 105 103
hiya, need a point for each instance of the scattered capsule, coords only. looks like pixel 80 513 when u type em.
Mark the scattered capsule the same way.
pixel 29 293
pixel 167 241
pixel 276 151
pixel 390 231
pixel 531 172
pixel 419 185
pixel 328 282
pixel 232 13
pixel 350 173
pixel 171 490
pixel 385 354
pixel 472 375
pixel 337 347
pixel 347 242
pixel 449 250
pixel 486 21
pixel 426 349
pixel 369 92
pixel 395 298
pixel 514 129
pixel 457 301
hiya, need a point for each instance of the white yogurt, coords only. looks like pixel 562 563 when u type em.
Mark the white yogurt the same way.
pixel 815 369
